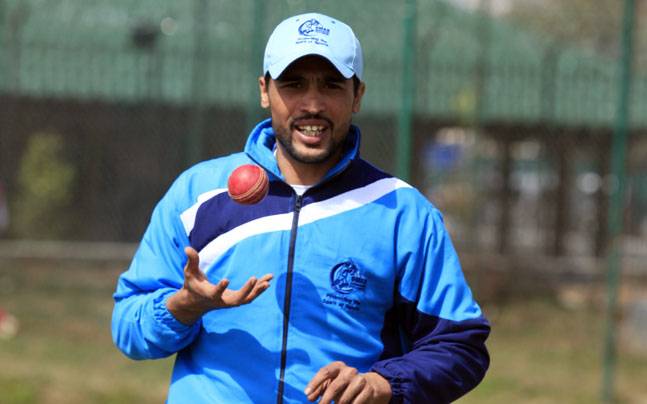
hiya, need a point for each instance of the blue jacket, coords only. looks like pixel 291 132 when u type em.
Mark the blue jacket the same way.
pixel 364 273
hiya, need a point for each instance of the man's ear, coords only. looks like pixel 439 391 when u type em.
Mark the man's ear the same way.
pixel 357 102
pixel 263 88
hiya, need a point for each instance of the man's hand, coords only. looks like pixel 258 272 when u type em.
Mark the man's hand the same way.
pixel 343 384
pixel 199 296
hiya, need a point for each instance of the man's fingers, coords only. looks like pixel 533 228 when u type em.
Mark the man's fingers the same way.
pixel 198 284
pixel 208 296
pixel 338 385
pixel 192 267
pixel 324 375
pixel 261 286
pixel 208 291
pixel 219 289
pixel 354 390
pixel 193 258
pixel 365 396
pixel 240 296
pixel 318 391
pixel 248 292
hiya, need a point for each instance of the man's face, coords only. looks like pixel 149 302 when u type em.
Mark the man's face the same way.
pixel 311 105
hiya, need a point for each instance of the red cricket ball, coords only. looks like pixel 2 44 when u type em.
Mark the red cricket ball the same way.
pixel 248 184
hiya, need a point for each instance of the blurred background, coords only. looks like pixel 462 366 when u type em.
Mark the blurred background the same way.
pixel 524 121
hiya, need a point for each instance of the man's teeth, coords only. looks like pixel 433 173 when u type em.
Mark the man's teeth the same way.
pixel 311 130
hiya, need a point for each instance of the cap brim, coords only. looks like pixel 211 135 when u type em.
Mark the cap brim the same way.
pixel 279 67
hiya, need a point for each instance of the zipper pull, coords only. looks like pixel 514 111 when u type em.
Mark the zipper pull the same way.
pixel 298 203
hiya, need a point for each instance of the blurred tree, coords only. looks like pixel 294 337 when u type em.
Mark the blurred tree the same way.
pixel 45 182
pixel 590 24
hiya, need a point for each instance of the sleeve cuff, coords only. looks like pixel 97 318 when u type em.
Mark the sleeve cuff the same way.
pixel 164 319
pixel 392 374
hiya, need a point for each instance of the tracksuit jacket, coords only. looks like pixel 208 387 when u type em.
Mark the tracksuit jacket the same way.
pixel 364 273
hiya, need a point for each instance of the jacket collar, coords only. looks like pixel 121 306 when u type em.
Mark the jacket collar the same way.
pixel 261 142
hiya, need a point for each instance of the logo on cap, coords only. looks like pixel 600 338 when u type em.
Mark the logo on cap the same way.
pixel 312 27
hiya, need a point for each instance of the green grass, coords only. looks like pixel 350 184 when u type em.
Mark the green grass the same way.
pixel 545 353
pixel 541 352
pixel 63 352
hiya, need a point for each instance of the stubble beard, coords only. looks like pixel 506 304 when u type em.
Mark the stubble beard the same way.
pixel 333 149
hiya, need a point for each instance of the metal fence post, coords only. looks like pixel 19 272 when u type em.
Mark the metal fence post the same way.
pixel 405 117
pixel 197 106
pixel 257 41
pixel 476 120
pixel 3 8
pixel 3 76
pixel 618 157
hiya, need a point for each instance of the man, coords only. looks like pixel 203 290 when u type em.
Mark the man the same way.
pixel 363 299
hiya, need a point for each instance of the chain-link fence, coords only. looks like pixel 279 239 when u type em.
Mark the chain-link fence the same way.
pixel 504 113
pixel 511 129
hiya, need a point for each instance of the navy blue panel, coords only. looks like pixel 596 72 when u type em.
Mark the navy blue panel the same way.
pixel 358 174
pixel 220 214
pixel 446 358
pixel 391 336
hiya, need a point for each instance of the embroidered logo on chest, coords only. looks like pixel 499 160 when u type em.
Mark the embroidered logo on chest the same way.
pixel 345 279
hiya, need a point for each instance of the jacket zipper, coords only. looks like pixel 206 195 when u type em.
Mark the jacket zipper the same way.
pixel 288 296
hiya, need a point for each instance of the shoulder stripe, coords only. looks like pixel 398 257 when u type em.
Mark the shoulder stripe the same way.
pixel 310 213
pixel 188 216
pixel 350 200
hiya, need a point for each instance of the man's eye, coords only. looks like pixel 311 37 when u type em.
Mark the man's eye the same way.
pixel 334 85
pixel 291 84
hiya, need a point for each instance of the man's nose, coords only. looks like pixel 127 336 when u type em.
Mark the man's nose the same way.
pixel 313 101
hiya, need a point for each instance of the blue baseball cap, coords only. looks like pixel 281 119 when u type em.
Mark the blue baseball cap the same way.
pixel 313 34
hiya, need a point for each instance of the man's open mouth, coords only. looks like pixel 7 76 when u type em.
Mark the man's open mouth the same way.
pixel 311 130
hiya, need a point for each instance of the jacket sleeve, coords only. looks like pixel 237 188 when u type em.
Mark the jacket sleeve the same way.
pixel 435 333
pixel 142 326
